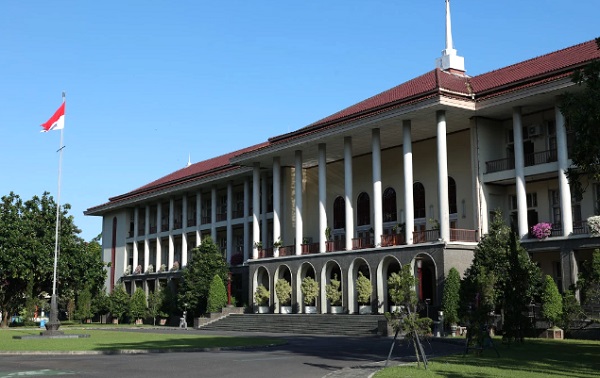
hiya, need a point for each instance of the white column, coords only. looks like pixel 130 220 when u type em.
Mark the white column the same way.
pixel 246 215
pixel 255 208
pixel 348 190
pixel 135 232
pixel 520 172
pixel 322 195
pixel 229 228
pixel 198 217
pixel 184 212
pixel 377 191
pixel 171 251
pixel 276 202
pixel 158 243
pixel 442 161
pixel 184 250
pixel 135 256
pixel 213 213
pixel 158 217
pixel 171 237
pixel 409 209
pixel 563 165
pixel 158 255
pixel 298 192
pixel 171 213
pixel 264 209
pixel 146 240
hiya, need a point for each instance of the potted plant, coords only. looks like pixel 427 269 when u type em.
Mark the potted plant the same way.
pixel 258 245
pixel 175 266
pixel 334 295
pixel 542 230
pixel 394 283
pixel 329 244
pixel 261 298
pixel 283 290
pixel 363 289
pixel 150 269
pixel 594 225
pixel 277 244
pixel 310 292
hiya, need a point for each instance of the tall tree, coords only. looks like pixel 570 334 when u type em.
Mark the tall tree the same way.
pixel 206 262
pixel 27 241
pixel 217 295
pixel 450 297
pixel 500 278
pixel 582 114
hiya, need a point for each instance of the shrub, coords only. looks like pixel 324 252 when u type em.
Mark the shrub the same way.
pixel 261 295
pixel 401 287
pixel 217 295
pixel 119 303
pixel 283 289
pixel 552 306
pixel 363 288
pixel 333 292
pixel 138 307
pixel 84 305
pixel 310 290
pixel 451 297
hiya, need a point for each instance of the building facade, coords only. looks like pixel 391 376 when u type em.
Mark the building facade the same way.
pixel 412 175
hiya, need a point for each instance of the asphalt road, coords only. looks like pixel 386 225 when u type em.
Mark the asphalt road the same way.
pixel 302 356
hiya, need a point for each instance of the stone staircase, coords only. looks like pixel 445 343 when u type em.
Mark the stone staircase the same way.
pixel 317 324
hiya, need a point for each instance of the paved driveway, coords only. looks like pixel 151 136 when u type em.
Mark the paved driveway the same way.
pixel 301 356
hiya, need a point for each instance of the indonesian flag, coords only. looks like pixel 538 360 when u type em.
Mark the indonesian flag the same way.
pixel 57 121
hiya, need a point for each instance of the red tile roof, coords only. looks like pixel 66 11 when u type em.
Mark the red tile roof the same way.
pixel 550 64
pixel 195 171
pixel 436 82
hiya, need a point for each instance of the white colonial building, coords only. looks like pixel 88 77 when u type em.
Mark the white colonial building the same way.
pixel 411 175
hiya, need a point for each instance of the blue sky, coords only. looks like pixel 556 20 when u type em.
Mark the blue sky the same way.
pixel 149 82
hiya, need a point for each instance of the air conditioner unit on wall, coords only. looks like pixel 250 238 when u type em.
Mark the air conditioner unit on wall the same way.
pixel 534 130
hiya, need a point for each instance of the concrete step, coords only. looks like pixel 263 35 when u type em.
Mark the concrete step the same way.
pixel 325 324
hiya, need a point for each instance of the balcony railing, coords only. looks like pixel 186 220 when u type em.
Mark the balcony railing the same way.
pixel 235 214
pixel 287 250
pixel 265 252
pixel 310 248
pixel 361 243
pixel 580 228
pixel 530 159
pixel 392 239
pixel 153 229
pixel 457 234
pixel 426 236
pixel 221 217
pixel 499 165
pixel 191 222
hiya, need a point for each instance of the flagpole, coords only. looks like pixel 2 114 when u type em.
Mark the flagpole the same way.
pixel 54 324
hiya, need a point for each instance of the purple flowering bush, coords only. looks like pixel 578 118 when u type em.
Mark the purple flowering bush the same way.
pixel 542 230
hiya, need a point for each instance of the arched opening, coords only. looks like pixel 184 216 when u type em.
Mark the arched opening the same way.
pixel 261 278
pixel 306 303
pixel 360 305
pixel 425 272
pixel 283 305
pixel 331 272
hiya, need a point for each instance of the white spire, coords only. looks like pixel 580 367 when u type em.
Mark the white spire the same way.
pixel 449 60
pixel 189 160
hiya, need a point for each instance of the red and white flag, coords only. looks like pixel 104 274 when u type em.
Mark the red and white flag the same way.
pixel 57 121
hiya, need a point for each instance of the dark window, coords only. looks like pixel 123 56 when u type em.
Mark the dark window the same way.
pixel 339 213
pixel 419 200
pixel 390 214
pixel 452 195
pixel 363 209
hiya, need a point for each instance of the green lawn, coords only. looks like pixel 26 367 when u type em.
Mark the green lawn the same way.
pixel 534 358
pixel 106 340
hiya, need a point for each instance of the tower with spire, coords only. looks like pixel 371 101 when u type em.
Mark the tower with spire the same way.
pixel 450 61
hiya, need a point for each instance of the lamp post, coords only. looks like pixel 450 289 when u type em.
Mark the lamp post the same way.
pixel 228 288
